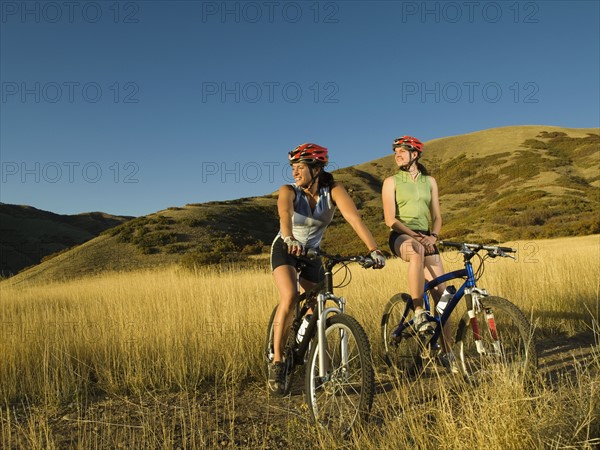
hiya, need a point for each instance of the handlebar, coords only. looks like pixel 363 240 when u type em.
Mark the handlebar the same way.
pixel 364 261
pixel 492 250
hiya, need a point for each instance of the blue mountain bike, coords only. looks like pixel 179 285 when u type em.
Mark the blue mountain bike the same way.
pixel 492 332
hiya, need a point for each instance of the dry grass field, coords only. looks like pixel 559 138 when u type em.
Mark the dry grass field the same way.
pixel 168 358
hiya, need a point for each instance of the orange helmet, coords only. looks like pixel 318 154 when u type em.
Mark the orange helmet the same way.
pixel 408 142
pixel 309 153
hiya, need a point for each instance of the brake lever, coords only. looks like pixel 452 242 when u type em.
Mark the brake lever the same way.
pixel 312 253
pixel 499 252
pixel 367 262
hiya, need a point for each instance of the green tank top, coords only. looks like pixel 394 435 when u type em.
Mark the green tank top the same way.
pixel 413 200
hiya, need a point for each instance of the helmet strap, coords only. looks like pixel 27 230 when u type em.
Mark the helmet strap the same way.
pixel 313 178
pixel 412 161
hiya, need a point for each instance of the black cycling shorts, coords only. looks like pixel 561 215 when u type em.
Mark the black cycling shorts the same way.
pixel 310 269
pixel 394 235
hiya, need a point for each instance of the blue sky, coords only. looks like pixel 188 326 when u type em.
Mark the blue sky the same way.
pixel 132 107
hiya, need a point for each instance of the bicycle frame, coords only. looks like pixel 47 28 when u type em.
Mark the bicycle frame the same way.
pixel 318 320
pixel 468 290
pixel 468 284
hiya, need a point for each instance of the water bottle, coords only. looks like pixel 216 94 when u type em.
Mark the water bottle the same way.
pixel 302 329
pixel 446 297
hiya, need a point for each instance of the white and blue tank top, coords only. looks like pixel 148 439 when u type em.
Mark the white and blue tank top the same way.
pixel 308 226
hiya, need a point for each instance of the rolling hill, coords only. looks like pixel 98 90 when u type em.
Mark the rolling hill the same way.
pixel 497 185
pixel 28 235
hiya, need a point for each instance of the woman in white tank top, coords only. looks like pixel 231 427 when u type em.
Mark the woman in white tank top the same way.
pixel 305 210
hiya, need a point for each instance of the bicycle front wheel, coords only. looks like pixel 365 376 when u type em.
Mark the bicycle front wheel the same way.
pixel 402 345
pixel 498 337
pixel 345 394
pixel 269 351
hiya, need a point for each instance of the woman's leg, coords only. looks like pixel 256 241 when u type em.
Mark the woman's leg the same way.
pixel 411 251
pixel 285 280
pixel 433 269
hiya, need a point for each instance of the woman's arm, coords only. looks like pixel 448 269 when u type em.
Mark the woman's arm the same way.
pixel 348 209
pixel 436 215
pixel 285 209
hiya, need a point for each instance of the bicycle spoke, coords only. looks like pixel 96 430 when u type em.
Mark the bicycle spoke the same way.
pixel 402 353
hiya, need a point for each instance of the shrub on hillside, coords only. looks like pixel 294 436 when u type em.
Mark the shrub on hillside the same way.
pixel 553 134
pixel 177 248
pixel 146 240
pixel 535 143
pixel 253 249
pixel 192 222
pixel 221 250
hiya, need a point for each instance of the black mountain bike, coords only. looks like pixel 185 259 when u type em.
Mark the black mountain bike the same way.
pixel 492 331
pixel 335 350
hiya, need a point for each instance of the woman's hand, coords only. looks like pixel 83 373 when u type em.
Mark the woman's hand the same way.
pixel 426 241
pixel 379 259
pixel 294 247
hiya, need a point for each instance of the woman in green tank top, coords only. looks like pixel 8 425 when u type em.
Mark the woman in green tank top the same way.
pixel 411 209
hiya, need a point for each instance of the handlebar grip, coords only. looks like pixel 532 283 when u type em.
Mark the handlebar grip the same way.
pixel 507 249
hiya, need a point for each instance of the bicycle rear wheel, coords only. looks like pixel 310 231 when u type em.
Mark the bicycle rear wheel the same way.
pixel 402 348
pixel 506 341
pixel 345 394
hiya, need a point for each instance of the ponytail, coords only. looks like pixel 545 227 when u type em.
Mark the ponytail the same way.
pixel 325 179
pixel 422 168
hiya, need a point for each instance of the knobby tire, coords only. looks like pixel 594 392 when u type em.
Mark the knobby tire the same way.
pixel 346 395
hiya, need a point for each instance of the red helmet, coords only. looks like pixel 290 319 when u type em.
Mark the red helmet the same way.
pixel 408 142
pixel 309 153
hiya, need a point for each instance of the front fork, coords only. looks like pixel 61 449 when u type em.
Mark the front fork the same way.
pixel 473 297
pixel 321 326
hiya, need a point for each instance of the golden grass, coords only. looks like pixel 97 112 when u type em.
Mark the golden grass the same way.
pixel 155 329
pixel 169 330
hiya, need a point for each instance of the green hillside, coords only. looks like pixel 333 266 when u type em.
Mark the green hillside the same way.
pixel 495 185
